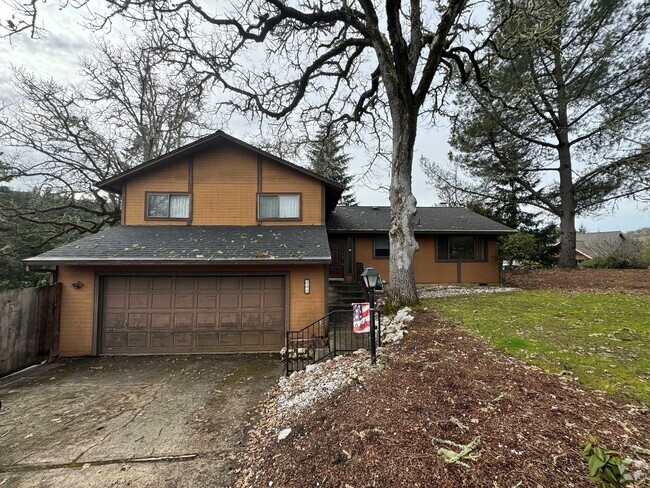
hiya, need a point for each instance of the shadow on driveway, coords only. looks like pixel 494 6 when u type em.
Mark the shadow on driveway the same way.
pixel 103 421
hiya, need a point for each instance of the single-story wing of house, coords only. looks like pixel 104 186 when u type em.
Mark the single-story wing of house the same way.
pixel 223 247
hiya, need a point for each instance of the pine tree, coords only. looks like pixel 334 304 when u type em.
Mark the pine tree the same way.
pixel 328 159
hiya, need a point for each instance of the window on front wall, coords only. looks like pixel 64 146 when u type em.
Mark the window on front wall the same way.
pixel 382 247
pixel 278 206
pixel 464 248
pixel 168 206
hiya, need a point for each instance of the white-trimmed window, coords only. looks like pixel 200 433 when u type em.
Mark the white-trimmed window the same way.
pixel 278 206
pixel 168 206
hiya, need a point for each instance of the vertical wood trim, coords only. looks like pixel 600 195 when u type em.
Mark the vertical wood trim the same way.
pixel 326 278
pixel 123 203
pixel 260 164
pixel 97 310
pixel 322 203
pixel 190 187
pixel 458 272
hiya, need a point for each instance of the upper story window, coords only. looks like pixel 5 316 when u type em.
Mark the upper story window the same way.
pixel 464 248
pixel 381 247
pixel 278 206
pixel 168 206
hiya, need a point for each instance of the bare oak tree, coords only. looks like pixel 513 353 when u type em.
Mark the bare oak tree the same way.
pixel 129 106
pixel 366 63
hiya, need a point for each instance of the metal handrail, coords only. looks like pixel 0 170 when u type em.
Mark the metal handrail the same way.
pixel 301 345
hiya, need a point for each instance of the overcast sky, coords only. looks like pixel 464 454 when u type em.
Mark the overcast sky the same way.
pixel 56 56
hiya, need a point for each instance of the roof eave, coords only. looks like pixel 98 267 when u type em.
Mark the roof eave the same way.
pixel 174 262
pixel 424 231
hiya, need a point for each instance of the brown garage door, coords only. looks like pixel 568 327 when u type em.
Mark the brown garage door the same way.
pixel 192 314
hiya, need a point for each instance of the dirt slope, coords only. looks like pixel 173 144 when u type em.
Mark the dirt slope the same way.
pixel 441 385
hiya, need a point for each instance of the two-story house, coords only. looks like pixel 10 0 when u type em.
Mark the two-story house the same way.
pixel 223 247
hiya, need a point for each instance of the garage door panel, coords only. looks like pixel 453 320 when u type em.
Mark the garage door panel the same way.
pixel 184 300
pixel 163 283
pixel 137 339
pixel 229 282
pixel 137 320
pixel 229 339
pixel 273 339
pixel 184 314
pixel 229 319
pixel 206 339
pixel 206 301
pixel 161 320
pixel 115 321
pixel 251 300
pixel 273 300
pixel 206 320
pixel 273 319
pixel 159 340
pixel 139 300
pixel 116 339
pixel 274 282
pixel 139 283
pixel 251 338
pixel 251 319
pixel 229 300
pixel 183 320
pixel 115 300
pixel 183 339
pixel 208 283
pixel 253 282
pixel 161 300
pixel 185 283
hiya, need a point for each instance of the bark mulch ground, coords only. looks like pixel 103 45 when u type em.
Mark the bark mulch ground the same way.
pixel 442 385
pixel 582 279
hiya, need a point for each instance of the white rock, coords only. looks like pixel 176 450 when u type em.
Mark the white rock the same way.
pixel 284 433
pixel 309 368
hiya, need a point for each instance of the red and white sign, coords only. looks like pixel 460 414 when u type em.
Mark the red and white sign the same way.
pixel 361 317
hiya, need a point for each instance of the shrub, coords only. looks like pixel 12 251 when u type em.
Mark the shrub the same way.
pixel 606 467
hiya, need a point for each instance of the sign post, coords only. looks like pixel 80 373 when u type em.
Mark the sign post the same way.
pixel 370 278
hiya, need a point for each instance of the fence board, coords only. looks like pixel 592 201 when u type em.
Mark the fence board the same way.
pixel 29 323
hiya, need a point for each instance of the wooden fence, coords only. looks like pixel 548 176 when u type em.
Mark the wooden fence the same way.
pixel 29 327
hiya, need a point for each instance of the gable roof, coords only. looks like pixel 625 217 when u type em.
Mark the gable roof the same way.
pixel 598 244
pixel 179 244
pixel 439 220
pixel 114 183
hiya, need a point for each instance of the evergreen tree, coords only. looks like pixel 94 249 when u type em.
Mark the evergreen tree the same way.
pixel 328 159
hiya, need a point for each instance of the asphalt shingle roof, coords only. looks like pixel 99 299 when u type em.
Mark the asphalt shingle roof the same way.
pixel 594 244
pixel 442 220
pixel 194 244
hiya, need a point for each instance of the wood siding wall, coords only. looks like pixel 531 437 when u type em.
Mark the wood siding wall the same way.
pixel 78 307
pixel 427 270
pixel 225 186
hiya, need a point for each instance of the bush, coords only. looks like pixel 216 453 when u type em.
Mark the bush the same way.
pixel 606 467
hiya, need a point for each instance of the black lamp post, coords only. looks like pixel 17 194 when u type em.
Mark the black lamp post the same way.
pixel 370 277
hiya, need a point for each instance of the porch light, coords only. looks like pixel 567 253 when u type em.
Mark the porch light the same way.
pixel 370 277
pixel 307 286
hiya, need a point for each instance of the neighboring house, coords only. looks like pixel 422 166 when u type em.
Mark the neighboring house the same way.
pixel 590 245
pixel 223 247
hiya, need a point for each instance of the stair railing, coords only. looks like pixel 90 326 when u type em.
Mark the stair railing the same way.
pixel 325 338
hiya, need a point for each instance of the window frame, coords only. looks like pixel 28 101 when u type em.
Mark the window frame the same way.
pixel 374 246
pixel 147 194
pixel 485 259
pixel 279 219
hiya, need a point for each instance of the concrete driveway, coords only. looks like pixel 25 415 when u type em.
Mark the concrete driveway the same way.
pixel 134 421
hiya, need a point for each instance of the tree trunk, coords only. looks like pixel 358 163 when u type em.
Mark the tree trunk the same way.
pixel 401 286
pixel 567 257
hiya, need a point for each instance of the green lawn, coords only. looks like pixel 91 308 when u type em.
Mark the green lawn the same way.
pixel 604 339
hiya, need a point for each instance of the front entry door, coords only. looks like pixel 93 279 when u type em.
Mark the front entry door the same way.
pixel 337 248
